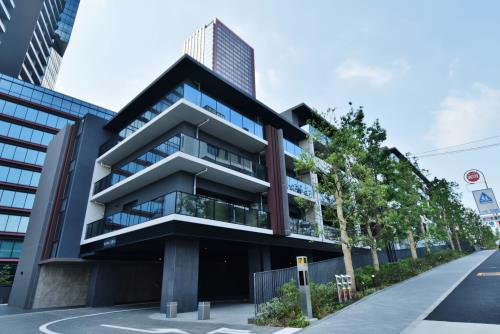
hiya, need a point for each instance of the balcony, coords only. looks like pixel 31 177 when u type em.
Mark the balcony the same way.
pixel 331 233
pixel 182 204
pixel 183 111
pixel 292 148
pixel 302 227
pixel 297 187
pixel 316 134
pixel 195 148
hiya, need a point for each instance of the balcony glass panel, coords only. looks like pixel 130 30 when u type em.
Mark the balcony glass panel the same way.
pixel 188 145
pixel 302 227
pixel 292 147
pixel 318 135
pixel 331 233
pixel 196 97
pixel 183 204
pixel 299 186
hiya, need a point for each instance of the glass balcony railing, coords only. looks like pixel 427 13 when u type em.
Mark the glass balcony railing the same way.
pixel 292 148
pixel 183 204
pixel 302 227
pixel 331 233
pixel 299 186
pixel 208 103
pixel 318 135
pixel 188 145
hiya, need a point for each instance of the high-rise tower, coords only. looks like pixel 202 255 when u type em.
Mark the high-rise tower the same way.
pixel 33 38
pixel 220 49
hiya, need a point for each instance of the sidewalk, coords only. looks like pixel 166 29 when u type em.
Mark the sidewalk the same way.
pixel 393 309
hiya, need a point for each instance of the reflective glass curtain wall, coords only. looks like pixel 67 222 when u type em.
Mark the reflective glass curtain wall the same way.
pixel 30 116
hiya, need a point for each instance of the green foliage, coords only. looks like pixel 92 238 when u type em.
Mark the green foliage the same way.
pixel 284 310
pixel 391 273
pixel 323 299
pixel 6 274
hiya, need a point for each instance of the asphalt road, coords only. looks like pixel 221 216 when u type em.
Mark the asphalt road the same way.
pixel 112 321
pixel 476 299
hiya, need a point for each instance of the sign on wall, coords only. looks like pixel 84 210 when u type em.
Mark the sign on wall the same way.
pixel 485 201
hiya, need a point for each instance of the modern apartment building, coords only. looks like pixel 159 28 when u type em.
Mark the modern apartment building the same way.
pixel 34 35
pixel 181 196
pixel 220 49
pixel 30 117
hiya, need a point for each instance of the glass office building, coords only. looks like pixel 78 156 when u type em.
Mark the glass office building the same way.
pixel 220 49
pixel 30 116
pixel 33 38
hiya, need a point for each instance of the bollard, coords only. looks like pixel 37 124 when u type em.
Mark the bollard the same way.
pixel 304 290
pixel 203 310
pixel 171 310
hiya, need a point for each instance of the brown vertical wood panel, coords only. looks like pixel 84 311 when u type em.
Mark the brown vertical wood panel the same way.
pixel 275 198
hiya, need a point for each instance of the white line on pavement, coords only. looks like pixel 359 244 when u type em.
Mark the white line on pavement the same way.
pixel 288 330
pixel 422 316
pixel 44 328
pixel 152 330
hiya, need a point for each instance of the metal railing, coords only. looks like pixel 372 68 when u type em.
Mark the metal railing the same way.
pixel 179 203
pixel 189 145
pixel 299 187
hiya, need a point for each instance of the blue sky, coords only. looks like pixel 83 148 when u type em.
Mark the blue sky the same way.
pixel 428 70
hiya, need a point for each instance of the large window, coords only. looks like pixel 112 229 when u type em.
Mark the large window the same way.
pixel 13 223
pixel 33 115
pixel 19 176
pixel 25 133
pixel 16 199
pixel 21 154
pixel 10 249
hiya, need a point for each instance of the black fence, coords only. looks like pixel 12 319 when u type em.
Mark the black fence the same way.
pixel 267 283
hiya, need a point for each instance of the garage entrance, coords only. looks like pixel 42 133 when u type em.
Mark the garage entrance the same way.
pixel 223 271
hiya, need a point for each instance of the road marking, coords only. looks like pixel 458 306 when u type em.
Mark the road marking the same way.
pixel 224 330
pixel 288 330
pixel 152 330
pixel 44 328
pixel 495 273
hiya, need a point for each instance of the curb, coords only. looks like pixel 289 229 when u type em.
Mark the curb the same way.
pixel 392 286
pixel 422 316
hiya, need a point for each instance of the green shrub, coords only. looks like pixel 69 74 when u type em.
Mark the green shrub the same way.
pixel 283 310
pixel 391 273
pixel 323 299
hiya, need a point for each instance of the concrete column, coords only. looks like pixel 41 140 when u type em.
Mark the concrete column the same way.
pixel 180 274
pixel 101 285
pixel 259 259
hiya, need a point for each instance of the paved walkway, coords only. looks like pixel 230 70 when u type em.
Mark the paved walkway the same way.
pixel 395 308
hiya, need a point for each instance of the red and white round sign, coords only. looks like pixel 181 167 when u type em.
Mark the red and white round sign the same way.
pixel 472 176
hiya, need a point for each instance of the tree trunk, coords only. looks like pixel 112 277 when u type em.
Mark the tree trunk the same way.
pixel 457 239
pixel 411 243
pixel 344 237
pixel 426 237
pixel 373 247
pixel 452 245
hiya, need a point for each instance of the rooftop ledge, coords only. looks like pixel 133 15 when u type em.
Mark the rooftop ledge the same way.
pixel 180 161
pixel 183 111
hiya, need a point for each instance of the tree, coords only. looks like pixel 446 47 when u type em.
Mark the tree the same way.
pixel 407 202
pixel 342 155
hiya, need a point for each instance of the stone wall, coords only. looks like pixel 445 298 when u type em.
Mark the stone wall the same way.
pixel 62 285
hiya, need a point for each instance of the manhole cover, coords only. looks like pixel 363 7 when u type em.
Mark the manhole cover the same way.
pixel 494 273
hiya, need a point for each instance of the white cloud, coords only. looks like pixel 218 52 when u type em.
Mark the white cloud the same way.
pixel 376 76
pixel 464 117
